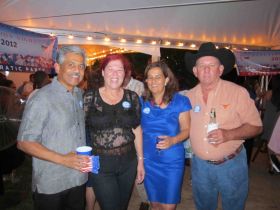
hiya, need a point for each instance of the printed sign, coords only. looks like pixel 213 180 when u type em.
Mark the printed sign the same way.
pixel 26 51
pixel 251 63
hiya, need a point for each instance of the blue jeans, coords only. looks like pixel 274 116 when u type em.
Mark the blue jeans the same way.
pixel 229 179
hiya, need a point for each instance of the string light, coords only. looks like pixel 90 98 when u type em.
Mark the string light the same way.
pixel 89 38
pixel 193 45
pixel 70 36
pixel 153 42
pixel 107 39
pixel 130 39
pixel 167 43
pixel 180 44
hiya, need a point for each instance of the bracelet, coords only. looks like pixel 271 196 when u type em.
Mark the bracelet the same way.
pixel 140 157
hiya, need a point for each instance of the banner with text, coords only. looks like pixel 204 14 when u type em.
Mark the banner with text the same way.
pixel 26 51
pixel 253 63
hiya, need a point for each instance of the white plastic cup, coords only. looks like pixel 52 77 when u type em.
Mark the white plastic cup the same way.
pixel 212 126
pixel 84 150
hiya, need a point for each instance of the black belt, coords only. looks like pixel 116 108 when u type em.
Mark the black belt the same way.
pixel 229 157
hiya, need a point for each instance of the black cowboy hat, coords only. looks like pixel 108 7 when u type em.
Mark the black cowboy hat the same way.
pixel 225 56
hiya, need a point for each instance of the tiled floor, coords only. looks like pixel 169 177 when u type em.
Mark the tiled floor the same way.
pixel 264 191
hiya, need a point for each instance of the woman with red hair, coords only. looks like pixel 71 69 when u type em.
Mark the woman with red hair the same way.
pixel 113 125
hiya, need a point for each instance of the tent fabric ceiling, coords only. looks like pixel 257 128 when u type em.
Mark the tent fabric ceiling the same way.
pixel 248 23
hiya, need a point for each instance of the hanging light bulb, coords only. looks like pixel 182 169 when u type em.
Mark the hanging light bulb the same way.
pixel 193 45
pixel 70 36
pixel 153 42
pixel 180 44
pixel 89 38
pixel 167 43
pixel 107 39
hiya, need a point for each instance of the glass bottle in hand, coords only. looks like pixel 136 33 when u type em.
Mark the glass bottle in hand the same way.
pixel 212 125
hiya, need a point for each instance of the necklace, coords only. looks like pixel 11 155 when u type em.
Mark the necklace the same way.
pixel 112 98
pixel 153 103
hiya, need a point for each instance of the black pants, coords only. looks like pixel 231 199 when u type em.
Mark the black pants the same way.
pixel 114 183
pixel 249 145
pixel 71 199
pixel 10 159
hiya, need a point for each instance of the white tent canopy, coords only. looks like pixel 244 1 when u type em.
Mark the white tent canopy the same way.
pixel 254 24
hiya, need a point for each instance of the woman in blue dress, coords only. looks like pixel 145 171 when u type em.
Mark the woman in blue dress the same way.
pixel 165 121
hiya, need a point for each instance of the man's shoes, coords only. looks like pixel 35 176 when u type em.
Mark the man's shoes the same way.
pixel 144 206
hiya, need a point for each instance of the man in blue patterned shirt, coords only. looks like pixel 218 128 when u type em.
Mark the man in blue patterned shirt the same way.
pixel 51 129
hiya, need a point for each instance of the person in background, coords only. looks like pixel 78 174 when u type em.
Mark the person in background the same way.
pixel 165 121
pixel 8 83
pixel 41 79
pixel 113 124
pixel 130 83
pixel 26 88
pixel 274 146
pixel 2 76
pixel 223 115
pixel 94 81
pixel 52 128
pixel 138 87
pixel 10 157
pixel 271 124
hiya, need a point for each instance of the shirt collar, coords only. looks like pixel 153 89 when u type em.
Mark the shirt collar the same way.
pixel 60 87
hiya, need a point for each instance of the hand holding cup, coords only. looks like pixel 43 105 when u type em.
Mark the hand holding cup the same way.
pixel 93 165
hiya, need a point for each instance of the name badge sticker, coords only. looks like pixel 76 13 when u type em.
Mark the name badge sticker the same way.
pixel 196 108
pixel 126 105
pixel 146 110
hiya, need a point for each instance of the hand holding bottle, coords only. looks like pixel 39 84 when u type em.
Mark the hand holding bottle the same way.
pixel 212 125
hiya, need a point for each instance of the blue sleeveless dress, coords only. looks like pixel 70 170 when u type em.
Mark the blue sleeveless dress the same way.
pixel 164 168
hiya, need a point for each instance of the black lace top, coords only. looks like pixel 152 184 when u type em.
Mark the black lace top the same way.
pixel 110 126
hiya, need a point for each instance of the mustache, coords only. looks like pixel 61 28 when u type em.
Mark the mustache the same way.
pixel 76 74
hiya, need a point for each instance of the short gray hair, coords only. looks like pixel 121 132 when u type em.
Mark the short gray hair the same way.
pixel 60 57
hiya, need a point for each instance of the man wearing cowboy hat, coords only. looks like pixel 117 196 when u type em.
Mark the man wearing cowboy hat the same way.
pixel 219 165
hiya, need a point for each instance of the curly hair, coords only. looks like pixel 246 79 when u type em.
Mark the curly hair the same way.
pixel 171 87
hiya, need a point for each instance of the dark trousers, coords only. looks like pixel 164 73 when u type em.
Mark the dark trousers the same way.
pixel 10 159
pixel 249 145
pixel 71 199
pixel 114 183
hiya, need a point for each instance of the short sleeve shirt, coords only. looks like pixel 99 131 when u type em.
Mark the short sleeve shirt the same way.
pixel 54 117
pixel 233 106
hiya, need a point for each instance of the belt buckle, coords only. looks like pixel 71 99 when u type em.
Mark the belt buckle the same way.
pixel 216 162
pixel 229 157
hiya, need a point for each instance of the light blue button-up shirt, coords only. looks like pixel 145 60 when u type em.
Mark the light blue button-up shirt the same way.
pixel 54 117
